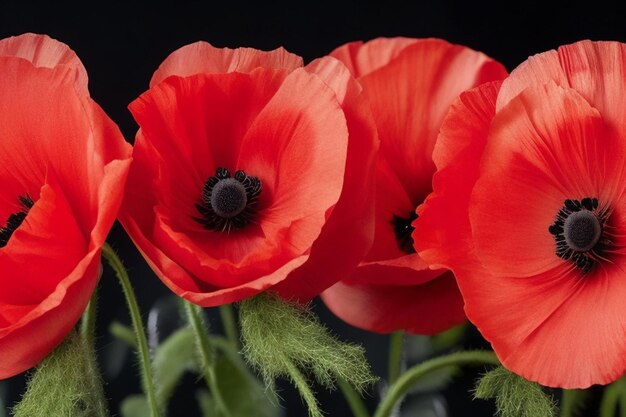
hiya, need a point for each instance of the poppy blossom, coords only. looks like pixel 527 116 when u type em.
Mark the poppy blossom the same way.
pixel 530 190
pixel 63 164
pixel 410 84
pixel 251 172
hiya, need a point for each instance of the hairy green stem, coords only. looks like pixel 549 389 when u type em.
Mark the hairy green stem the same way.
pixel 396 344
pixel 88 321
pixel 304 389
pixel 194 316
pixel 398 390
pixel 229 324
pixel 353 399
pixel 147 380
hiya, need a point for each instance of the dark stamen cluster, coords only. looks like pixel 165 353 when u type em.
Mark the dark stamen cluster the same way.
pixel 403 229
pixel 578 231
pixel 228 202
pixel 15 220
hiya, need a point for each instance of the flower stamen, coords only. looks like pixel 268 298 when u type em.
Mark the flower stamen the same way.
pixel 15 220
pixel 403 228
pixel 579 232
pixel 228 202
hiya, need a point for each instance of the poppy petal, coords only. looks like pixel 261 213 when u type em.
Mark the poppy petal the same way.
pixel 404 270
pixel 392 201
pixel 422 309
pixel 574 330
pixel 203 58
pixel 302 136
pixel 65 119
pixel 597 70
pixel 25 282
pixel 594 69
pixel 29 340
pixel 507 310
pixel 340 229
pixel 422 81
pixel 442 233
pixel 196 125
pixel 279 115
pixel 45 52
pixel 543 149
pixel 61 150
pixel 362 58
pixel 536 70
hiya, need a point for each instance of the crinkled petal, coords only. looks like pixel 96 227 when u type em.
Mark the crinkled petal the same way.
pixel 203 58
pixel 362 58
pixel 597 70
pixel 45 52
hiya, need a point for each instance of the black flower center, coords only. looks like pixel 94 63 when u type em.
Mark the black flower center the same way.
pixel 15 220
pixel 403 228
pixel 578 231
pixel 582 230
pixel 228 203
pixel 228 198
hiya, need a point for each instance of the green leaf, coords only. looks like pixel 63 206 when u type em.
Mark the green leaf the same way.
pixel 124 333
pixel 449 338
pixel 172 358
pixel 437 380
pixel 135 406
pixel 207 404
pixel 175 356
pixel 514 395
pixel 243 394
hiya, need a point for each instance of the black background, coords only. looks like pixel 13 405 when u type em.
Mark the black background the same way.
pixel 122 44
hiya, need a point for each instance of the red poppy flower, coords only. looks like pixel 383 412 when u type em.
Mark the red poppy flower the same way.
pixel 63 164
pixel 410 84
pixel 530 190
pixel 250 173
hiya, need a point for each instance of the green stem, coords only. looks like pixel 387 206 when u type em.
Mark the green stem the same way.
pixel 303 388
pixel 229 324
pixel 398 390
pixel 396 344
pixel 142 352
pixel 568 398
pixel 622 402
pixel 611 398
pixel 353 398
pixel 572 401
pixel 88 321
pixel 194 316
